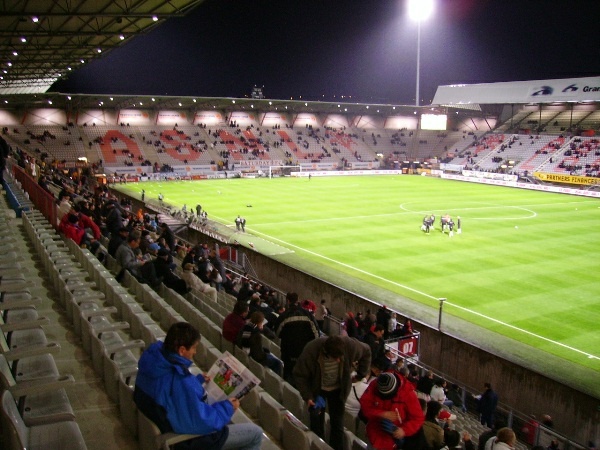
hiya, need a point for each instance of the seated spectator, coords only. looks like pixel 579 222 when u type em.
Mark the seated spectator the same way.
pixel 127 259
pixel 116 240
pixel 407 329
pixel 374 339
pixel 425 384
pixel 176 401
pixel 351 325
pixel 455 395
pixel 434 433
pixel 320 314
pixel 250 340
pixel 235 321
pixel 360 386
pixel 64 206
pixel 438 393
pixel 195 283
pixel 504 440
pixel 467 442
pixel 392 411
pixel 164 271
pixel 69 226
pixel 190 257
pixel 486 435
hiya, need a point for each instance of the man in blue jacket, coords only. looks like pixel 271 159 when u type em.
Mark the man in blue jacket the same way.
pixel 175 399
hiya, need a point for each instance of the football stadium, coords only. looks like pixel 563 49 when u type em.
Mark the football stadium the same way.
pixel 464 230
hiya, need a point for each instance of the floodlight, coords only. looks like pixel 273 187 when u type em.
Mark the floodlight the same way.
pixel 419 10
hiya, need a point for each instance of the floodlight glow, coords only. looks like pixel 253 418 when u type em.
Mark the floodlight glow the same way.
pixel 419 10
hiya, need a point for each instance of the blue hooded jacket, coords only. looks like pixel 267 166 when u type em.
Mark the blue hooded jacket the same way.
pixel 167 380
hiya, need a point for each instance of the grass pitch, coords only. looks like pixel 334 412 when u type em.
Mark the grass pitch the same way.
pixel 526 264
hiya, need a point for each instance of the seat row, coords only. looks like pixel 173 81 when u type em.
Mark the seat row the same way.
pixel 36 411
pixel 263 405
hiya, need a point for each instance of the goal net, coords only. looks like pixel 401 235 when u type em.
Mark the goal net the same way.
pixel 283 171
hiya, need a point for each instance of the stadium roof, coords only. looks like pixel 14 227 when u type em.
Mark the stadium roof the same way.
pixel 43 40
pixel 74 102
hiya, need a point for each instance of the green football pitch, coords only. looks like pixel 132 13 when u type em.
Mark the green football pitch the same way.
pixel 526 264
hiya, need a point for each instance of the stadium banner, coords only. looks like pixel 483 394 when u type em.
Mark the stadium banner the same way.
pixel 490 175
pixel 533 91
pixel 408 346
pixel 258 162
pixel 336 173
pixel 533 187
pixel 568 179
pixel 365 165
pixel 452 167
pixel 177 170
pixel 319 166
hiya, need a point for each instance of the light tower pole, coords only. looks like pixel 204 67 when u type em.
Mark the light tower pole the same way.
pixel 419 10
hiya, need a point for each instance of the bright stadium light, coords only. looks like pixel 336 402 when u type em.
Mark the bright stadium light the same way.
pixel 419 10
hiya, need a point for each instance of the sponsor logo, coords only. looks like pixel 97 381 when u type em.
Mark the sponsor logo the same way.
pixel 591 89
pixel 543 90
pixel 571 88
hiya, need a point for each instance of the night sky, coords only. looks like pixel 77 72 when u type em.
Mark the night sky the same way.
pixel 364 50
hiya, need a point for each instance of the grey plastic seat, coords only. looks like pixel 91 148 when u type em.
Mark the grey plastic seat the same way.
pixel 251 401
pixel 127 406
pixel 32 362
pixel 271 416
pixel 259 370
pixel 150 437
pixel 57 436
pixel 121 358
pixel 293 401
pixel 39 401
pixel 273 384
pixel 295 433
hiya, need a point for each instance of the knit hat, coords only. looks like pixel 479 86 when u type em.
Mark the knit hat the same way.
pixel 387 385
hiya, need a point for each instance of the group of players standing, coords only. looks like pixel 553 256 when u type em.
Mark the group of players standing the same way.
pixel 446 222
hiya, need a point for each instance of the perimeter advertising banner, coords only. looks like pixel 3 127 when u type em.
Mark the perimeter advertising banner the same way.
pixel 568 179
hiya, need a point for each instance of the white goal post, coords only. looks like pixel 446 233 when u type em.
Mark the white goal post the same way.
pixel 283 171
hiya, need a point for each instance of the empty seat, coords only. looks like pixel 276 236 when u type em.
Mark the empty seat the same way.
pixel 271 416
pixel 251 401
pixel 127 406
pixel 293 401
pixel 39 401
pixel 58 436
pixel 122 358
pixel 259 370
pixel 295 433
pixel 273 384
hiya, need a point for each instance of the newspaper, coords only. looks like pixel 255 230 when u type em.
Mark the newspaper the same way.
pixel 229 378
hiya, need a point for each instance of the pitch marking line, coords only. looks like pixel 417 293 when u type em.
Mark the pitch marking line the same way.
pixel 589 355
pixel 408 211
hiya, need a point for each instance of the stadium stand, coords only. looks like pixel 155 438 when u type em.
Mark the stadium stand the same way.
pixel 116 320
